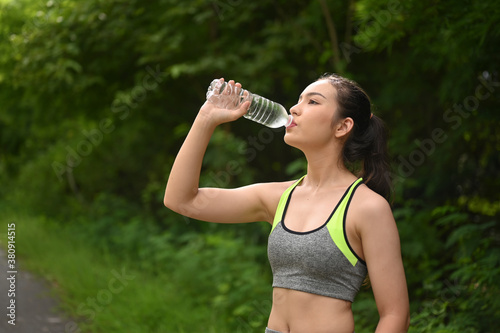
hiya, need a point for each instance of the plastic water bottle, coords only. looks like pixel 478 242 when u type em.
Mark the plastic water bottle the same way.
pixel 261 110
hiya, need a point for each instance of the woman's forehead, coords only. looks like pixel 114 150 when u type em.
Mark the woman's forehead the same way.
pixel 322 86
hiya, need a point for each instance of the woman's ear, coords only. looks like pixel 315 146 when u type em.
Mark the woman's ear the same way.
pixel 344 127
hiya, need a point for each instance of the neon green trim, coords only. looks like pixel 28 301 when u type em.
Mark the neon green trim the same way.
pixel 336 226
pixel 281 205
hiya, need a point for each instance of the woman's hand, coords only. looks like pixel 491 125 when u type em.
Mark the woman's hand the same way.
pixel 230 98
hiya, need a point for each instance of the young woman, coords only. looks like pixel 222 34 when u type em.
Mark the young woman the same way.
pixel 330 228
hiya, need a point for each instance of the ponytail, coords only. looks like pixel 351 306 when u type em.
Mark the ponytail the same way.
pixel 366 147
pixel 375 165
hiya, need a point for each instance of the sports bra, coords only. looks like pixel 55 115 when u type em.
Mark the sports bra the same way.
pixel 320 261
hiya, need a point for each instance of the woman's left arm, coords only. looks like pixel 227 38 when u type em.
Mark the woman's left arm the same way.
pixel 382 251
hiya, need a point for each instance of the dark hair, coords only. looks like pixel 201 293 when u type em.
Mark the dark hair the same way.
pixel 366 145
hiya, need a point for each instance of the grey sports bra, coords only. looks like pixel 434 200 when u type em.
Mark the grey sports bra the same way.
pixel 320 261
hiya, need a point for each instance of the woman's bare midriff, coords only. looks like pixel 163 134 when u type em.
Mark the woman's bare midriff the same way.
pixel 300 312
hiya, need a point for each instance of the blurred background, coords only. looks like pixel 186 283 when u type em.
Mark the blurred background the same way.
pixel 97 96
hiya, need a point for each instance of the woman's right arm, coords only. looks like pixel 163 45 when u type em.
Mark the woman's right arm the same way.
pixel 183 195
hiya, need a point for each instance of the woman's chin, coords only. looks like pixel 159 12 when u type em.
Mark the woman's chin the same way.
pixel 290 140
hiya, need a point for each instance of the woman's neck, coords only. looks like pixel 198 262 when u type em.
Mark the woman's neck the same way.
pixel 326 170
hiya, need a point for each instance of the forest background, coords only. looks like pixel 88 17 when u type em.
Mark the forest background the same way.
pixel 96 97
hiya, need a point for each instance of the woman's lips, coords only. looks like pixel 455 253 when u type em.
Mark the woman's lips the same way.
pixel 293 124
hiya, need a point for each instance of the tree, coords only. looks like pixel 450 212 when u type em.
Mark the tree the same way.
pixel 96 97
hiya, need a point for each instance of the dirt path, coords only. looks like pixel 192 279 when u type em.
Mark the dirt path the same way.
pixel 35 309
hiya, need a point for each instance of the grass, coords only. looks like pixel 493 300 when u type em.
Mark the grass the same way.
pixel 102 292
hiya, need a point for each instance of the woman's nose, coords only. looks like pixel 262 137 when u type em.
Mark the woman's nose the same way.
pixel 294 110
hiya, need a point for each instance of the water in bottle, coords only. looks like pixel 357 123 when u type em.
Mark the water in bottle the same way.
pixel 261 110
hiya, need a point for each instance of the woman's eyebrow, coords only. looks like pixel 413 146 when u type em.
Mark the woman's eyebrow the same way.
pixel 313 93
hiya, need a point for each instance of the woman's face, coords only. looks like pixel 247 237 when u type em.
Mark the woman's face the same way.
pixel 313 116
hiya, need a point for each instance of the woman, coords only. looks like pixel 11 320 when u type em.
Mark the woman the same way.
pixel 329 228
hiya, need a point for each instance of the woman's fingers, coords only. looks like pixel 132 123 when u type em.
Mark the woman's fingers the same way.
pixel 229 88
pixel 243 108
pixel 228 104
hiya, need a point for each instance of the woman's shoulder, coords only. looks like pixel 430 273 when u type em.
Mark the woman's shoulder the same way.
pixel 368 203
pixel 274 188
pixel 370 213
pixel 269 194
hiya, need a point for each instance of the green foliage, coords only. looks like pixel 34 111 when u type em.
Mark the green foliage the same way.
pixel 217 272
pixel 103 292
pixel 96 97
pixel 457 266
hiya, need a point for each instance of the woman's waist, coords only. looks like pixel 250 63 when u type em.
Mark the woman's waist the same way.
pixel 297 311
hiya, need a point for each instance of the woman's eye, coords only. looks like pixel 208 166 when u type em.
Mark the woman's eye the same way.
pixel 311 101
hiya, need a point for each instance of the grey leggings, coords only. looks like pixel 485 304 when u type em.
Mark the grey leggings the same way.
pixel 268 330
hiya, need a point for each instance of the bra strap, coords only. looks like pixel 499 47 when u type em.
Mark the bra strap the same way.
pixel 281 205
